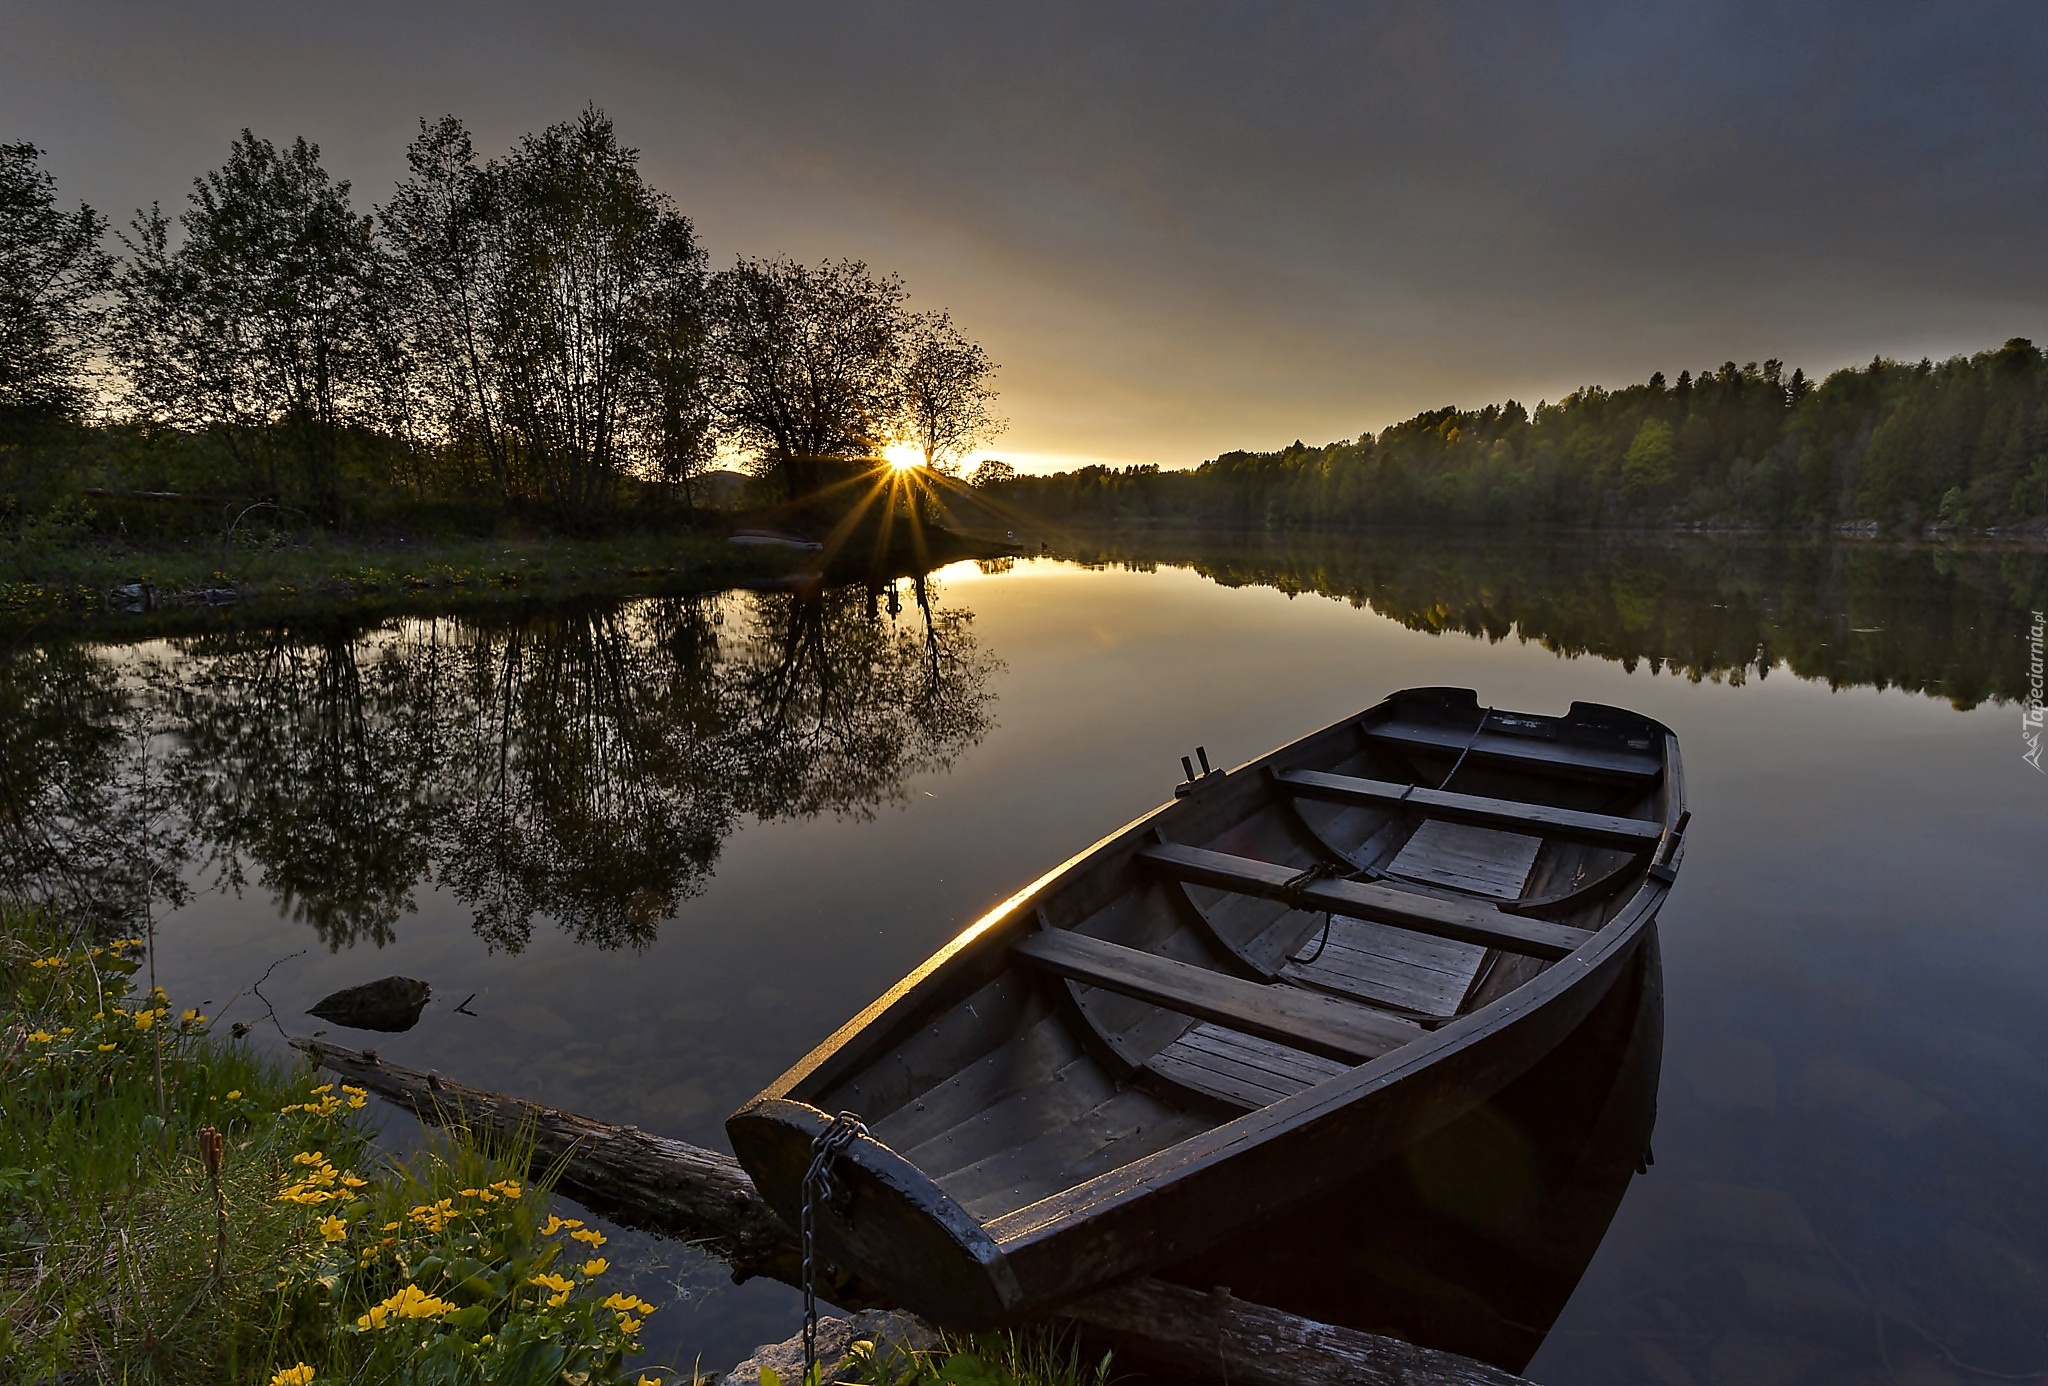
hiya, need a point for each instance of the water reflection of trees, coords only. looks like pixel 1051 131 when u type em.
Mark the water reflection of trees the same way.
pixel 580 764
pixel 1948 622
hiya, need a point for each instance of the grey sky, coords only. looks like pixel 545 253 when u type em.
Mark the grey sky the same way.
pixel 1190 227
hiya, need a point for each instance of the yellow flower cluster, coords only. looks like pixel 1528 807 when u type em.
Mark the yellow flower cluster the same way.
pixel 436 1215
pixel 626 1306
pixel 556 1224
pixel 301 1375
pixel 322 1182
pixel 409 1303
pixel 561 1285
pixel 590 1235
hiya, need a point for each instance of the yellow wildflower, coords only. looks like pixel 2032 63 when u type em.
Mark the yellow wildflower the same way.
pixel 144 1019
pixel 589 1234
pixel 650 1381
pixel 323 1088
pixel 628 1304
pixel 508 1187
pixel 596 1266
pixel 628 1326
pixel 549 1280
pixel 234 1093
pixel 556 1224
pixel 409 1303
pixel 293 1376
pixel 190 1016
pixel 352 1181
pixel 41 1036
pixel 66 1030
pixel 107 1048
pixel 389 1227
pixel 333 1229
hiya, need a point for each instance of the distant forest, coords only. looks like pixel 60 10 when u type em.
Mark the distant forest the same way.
pixel 1960 444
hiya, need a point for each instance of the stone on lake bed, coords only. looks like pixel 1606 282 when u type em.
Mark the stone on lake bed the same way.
pixel 390 1005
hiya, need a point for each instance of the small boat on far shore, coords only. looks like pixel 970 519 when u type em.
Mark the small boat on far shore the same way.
pixel 1235 1006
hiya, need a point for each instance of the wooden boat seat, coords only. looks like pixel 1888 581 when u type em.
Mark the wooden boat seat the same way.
pixel 1424 914
pixel 1525 752
pixel 1320 1024
pixel 1239 1069
pixel 1605 829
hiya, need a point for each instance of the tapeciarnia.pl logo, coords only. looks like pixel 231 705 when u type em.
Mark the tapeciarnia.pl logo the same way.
pixel 2031 710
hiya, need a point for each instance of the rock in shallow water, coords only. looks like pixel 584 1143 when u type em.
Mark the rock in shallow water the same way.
pixel 391 1005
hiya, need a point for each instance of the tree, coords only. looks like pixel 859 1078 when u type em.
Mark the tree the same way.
pixel 946 394
pixel 261 327
pixel 553 304
pixel 52 273
pixel 804 363
pixel 1647 468
pixel 993 472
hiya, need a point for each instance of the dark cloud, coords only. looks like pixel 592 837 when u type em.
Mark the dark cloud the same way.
pixel 1187 227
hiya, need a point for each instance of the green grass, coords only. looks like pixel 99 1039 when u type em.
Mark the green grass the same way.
pixel 299 1258
pixel 1019 1357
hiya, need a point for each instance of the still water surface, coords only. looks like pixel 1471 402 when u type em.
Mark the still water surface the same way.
pixel 669 845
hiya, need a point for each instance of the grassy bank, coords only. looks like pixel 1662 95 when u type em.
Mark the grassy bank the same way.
pixel 65 580
pixel 175 1208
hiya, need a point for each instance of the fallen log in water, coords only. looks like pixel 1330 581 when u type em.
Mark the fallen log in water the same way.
pixel 704 1196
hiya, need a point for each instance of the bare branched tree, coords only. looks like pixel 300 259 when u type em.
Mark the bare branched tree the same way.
pixel 946 395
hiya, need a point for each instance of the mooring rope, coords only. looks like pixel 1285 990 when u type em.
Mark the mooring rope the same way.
pixel 836 1136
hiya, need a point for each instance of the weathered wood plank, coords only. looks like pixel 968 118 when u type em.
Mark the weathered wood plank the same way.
pixel 1240 1069
pixel 704 1196
pixel 1219 1336
pixel 1606 829
pixel 1384 904
pixel 1376 963
pixel 1279 1059
pixel 1467 857
pixel 1552 757
pixel 1317 1023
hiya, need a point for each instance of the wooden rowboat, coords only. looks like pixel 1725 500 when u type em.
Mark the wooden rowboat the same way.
pixel 1233 1006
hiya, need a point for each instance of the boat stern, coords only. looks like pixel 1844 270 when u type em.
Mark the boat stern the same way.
pixel 885 1219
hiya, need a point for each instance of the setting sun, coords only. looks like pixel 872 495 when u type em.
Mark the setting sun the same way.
pixel 903 457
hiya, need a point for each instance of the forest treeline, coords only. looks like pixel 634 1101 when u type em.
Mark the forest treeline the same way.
pixel 1948 621
pixel 541 332
pixel 1960 443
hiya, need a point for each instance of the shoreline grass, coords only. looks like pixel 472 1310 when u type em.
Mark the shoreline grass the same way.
pixel 96 586
pixel 175 1208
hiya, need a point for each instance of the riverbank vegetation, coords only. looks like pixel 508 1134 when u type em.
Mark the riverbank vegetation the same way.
pixel 177 1208
pixel 535 340
pixel 1960 444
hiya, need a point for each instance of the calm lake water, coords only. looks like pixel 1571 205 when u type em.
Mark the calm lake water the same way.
pixel 670 844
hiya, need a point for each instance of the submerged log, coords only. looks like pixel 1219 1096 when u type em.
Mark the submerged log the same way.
pixel 703 1196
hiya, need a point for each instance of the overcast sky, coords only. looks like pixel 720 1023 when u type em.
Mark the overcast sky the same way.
pixel 1182 227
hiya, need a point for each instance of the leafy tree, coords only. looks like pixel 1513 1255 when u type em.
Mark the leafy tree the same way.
pixel 53 270
pixel 946 394
pixel 1646 469
pixel 805 362
pixel 993 472
pixel 260 328
pixel 552 309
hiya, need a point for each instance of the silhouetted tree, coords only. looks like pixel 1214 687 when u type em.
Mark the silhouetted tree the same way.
pixel 947 398
pixel 53 270
pixel 260 328
pixel 805 362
